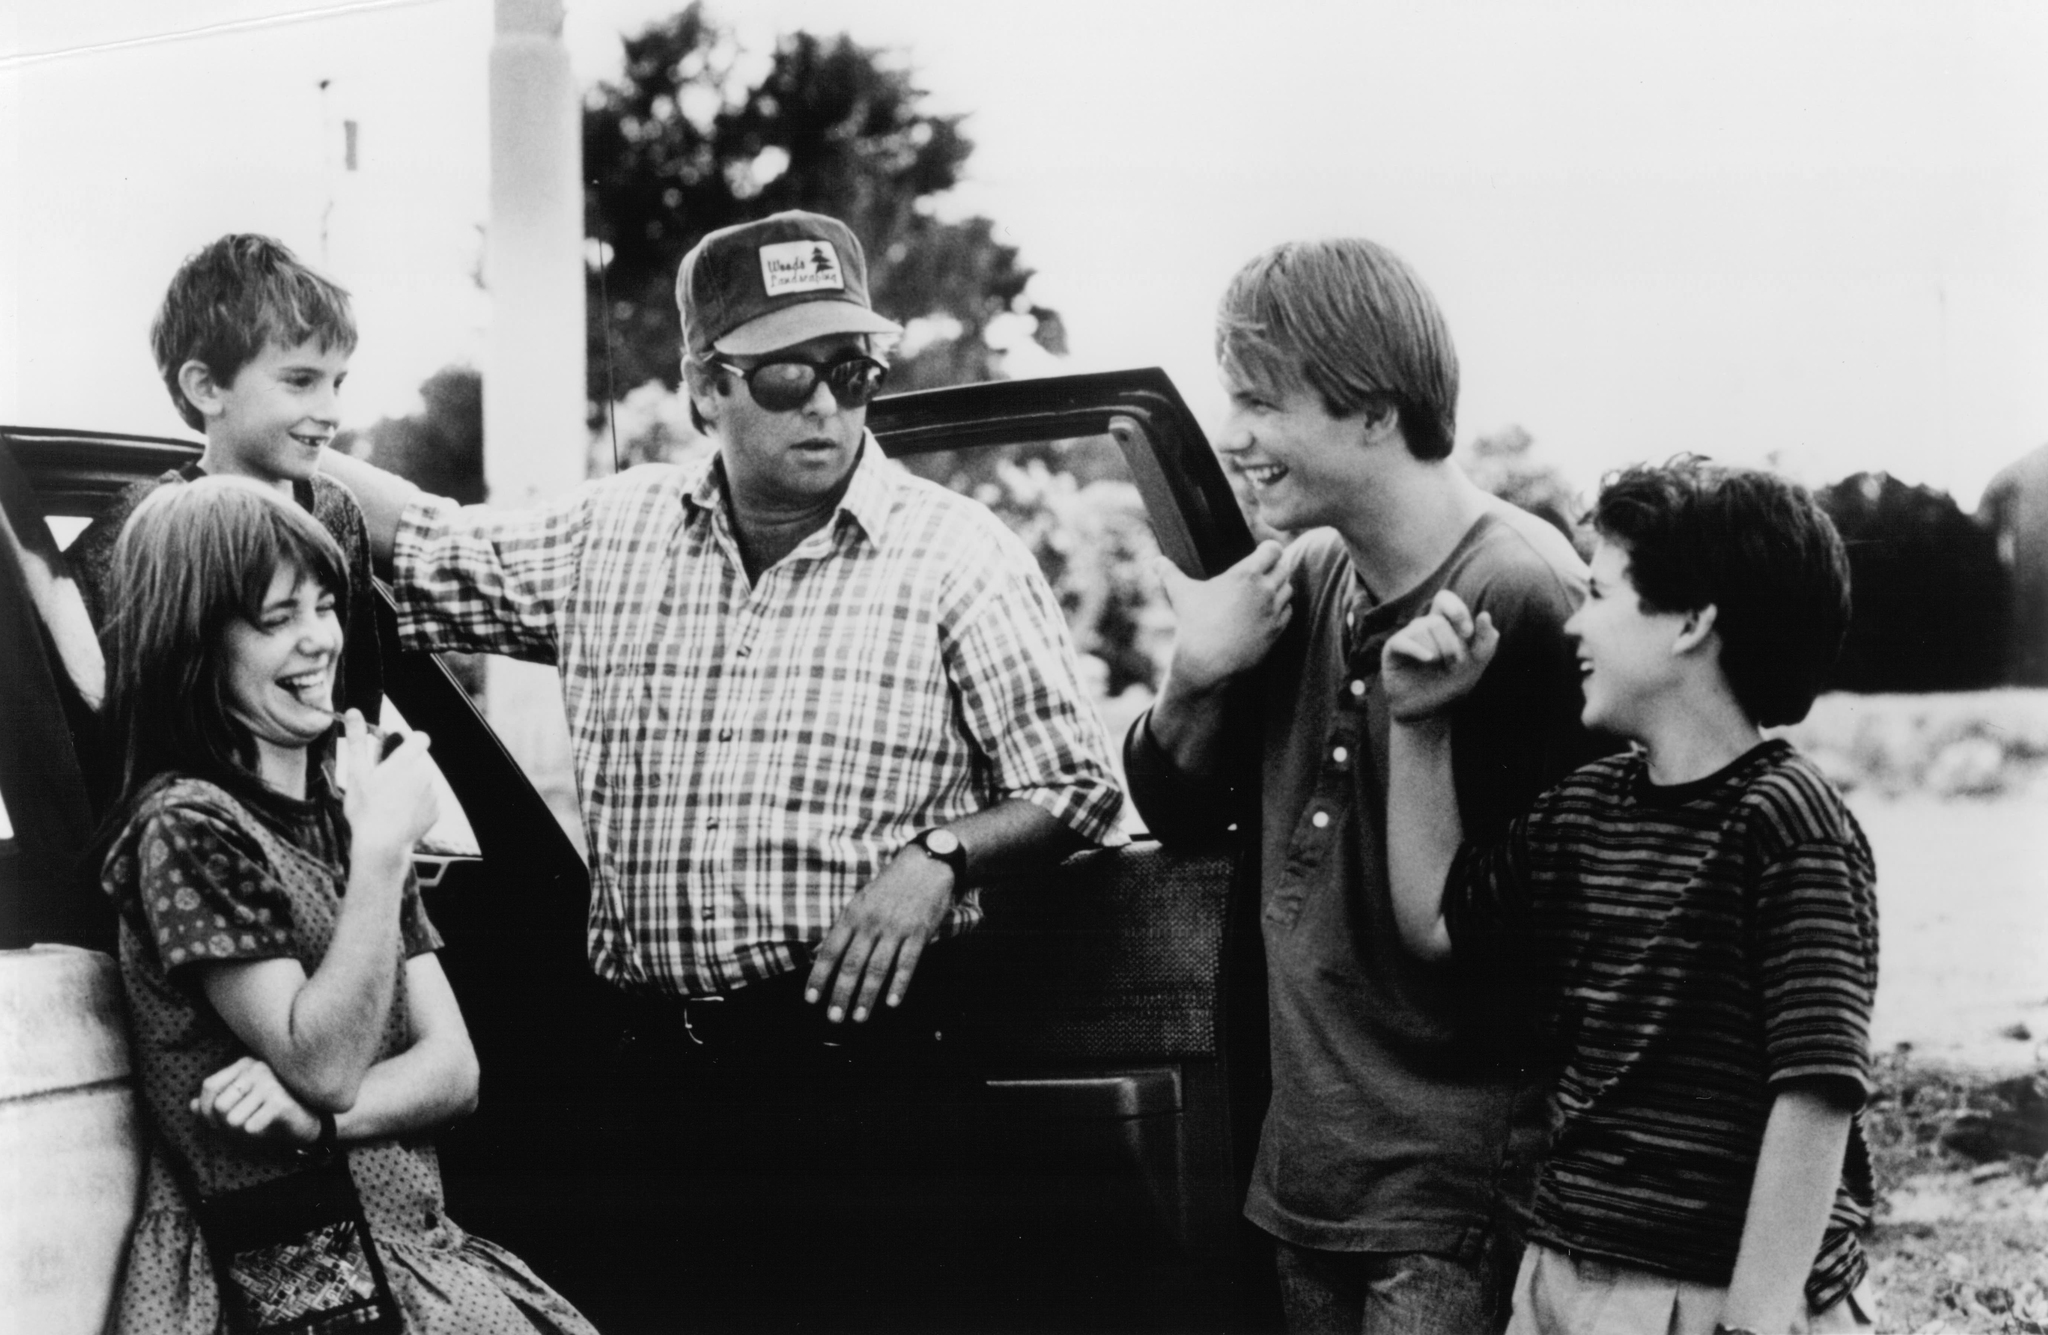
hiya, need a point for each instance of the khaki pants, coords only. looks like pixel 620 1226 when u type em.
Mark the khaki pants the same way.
pixel 1556 1295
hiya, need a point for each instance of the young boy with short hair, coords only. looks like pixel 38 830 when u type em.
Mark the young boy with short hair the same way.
pixel 254 346
pixel 1694 919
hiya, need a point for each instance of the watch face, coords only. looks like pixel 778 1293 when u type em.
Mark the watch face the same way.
pixel 943 842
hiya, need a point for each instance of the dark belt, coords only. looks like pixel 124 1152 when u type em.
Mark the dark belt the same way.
pixel 770 1020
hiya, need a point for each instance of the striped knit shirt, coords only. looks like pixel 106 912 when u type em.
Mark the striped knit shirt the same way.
pixel 750 753
pixel 1691 950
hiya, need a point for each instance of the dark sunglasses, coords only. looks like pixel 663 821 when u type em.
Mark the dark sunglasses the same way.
pixel 785 384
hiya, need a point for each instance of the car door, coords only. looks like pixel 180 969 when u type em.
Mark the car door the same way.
pixel 1116 1002
pixel 1112 1005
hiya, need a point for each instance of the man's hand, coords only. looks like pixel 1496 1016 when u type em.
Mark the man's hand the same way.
pixel 1225 625
pixel 247 1097
pixel 1434 660
pixel 879 936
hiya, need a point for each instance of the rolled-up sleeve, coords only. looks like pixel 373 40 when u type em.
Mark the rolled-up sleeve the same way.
pixel 1008 652
pixel 480 580
pixel 1179 809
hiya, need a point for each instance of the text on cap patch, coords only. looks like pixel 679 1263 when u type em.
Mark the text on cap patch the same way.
pixel 800 266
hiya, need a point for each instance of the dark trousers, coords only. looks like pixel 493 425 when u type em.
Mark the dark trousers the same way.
pixel 760 1169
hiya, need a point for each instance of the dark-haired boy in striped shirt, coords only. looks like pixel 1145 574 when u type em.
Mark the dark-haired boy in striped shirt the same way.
pixel 1693 920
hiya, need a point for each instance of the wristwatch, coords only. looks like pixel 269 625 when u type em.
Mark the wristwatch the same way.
pixel 945 846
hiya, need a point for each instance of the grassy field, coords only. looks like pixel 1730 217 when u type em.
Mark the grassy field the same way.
pixel 1959 1245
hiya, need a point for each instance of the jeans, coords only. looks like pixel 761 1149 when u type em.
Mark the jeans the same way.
pixel 1397 1293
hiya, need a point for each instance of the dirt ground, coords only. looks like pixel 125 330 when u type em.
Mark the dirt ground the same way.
pixel 1963 926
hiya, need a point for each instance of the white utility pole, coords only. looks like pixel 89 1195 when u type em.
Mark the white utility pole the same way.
pixel 534 437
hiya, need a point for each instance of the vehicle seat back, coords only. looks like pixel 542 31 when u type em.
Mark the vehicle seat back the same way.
pixel 71 1139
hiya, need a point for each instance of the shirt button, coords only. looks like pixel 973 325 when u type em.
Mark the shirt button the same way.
pixel 1320 820
pixel 1340 754
pixel 1357 686
pixel 725 734
pixel 744 650
pixel 710 824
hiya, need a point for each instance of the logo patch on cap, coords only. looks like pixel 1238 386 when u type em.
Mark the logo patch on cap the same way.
pixel 801 266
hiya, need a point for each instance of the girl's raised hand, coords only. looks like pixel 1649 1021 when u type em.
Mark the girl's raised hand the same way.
pixel 391 801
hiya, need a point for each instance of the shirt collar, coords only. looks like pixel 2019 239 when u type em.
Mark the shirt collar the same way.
pixel 866 500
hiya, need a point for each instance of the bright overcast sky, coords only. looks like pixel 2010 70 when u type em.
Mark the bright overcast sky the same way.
pixel 1811 231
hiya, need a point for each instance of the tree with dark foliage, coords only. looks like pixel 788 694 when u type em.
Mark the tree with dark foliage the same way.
pixel 685 143
pixel 1505 463
pixel 1929 594
pixel 440 449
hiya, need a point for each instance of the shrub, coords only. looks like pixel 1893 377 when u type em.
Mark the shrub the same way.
pixel 1930 592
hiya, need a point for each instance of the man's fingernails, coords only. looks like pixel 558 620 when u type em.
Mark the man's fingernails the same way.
pixel 859 1013
pixel 836 1014
pixel 895 998
pixel 811 995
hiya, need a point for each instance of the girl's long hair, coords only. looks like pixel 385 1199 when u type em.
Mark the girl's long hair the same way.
pixel 193 557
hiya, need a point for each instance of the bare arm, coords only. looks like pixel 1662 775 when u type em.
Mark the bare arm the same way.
pixel 1225 627
pixel 1425 667
pixel 431 1083
pixel 383 497
pixel 321 1032
pixel 1796 1175
pixel 881 933
pixel 1013 834
pixel 1423 832
pixel 1187 722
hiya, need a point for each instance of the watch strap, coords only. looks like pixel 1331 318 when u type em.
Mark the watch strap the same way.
pixel 954 856
pixel 327 1145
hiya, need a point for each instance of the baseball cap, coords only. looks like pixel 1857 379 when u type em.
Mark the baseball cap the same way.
pixel 763 286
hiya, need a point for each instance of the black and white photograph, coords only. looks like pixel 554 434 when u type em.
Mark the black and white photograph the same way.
pixel 1107 667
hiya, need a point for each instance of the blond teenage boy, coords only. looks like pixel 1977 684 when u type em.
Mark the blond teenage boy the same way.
pixel 1693 920
pixel 1397 1142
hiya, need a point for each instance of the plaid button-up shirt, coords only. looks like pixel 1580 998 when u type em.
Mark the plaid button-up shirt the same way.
pixel 749 755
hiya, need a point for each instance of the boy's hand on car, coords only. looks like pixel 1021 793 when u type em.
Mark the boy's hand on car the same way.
pixel 1225 624
pixel 390 801
pixel 1436 659
pixel 247 1097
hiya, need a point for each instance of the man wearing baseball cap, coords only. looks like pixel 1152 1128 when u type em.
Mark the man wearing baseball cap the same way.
pixel 812 700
